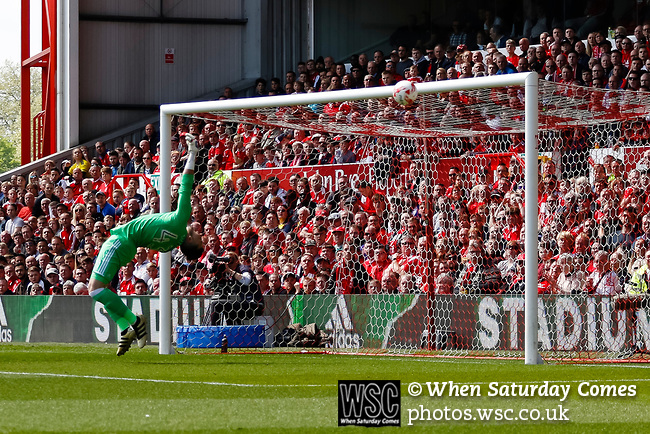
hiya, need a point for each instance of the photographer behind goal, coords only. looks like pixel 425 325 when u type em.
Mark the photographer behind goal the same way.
pixel 237 295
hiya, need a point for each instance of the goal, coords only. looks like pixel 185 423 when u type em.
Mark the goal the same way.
pixel 409 228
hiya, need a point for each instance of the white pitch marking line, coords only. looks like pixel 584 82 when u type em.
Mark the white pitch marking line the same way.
pixel 153 380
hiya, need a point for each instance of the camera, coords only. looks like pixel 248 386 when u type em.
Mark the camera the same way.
pixel 224 289
pixel 218 267
pixel 218 263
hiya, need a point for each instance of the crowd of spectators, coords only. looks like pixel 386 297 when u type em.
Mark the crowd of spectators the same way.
pixel 621 62
pixel 461 236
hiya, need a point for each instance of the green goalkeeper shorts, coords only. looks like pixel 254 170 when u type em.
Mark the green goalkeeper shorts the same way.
pixel 115 252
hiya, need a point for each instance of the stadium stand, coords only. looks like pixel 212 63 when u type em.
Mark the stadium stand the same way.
pixel 297 237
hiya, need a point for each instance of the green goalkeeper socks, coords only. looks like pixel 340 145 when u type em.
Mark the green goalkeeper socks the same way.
pixel 115 307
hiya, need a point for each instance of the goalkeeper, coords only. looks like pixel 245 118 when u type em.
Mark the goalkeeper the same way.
pixel 161 232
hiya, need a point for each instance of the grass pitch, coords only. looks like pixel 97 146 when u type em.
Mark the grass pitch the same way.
pixel 86 388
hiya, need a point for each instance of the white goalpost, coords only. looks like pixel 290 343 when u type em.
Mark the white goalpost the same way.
pixel 526 81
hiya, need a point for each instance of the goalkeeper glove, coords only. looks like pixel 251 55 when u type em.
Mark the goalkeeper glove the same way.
pixel 191 144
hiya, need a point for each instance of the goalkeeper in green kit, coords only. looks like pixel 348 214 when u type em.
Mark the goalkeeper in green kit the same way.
pixel 161 232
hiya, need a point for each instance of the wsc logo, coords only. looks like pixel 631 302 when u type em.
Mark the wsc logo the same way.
pixel 369 403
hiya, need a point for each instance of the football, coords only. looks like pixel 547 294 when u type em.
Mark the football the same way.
pixel 405 92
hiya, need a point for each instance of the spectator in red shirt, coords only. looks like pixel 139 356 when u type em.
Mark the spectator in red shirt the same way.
pixel 512 230
pixel 77 179
pixel 26 210
pixel 67 230
pixel 13 281
pixel 127 282
pixel 102 154
pixel 367 192
pixel 318 192
pixel 381 262
pixel 511 46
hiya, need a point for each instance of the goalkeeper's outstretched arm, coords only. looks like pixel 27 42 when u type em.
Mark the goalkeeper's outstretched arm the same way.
pixel 187 180
pixel 192 246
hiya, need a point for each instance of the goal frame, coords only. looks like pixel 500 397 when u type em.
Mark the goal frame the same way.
pixel 529 82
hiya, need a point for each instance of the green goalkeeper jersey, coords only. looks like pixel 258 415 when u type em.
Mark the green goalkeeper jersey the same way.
pixel 161 232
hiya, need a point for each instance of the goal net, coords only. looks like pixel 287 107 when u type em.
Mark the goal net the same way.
pixel 370 227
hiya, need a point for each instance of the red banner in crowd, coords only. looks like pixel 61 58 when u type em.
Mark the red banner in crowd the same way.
pixel 469 166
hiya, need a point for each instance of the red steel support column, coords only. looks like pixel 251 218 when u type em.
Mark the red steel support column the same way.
pixel 49 147
pixel 46 60
pixel 25 87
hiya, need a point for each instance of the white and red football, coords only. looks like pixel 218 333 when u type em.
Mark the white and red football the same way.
pixel 405 92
